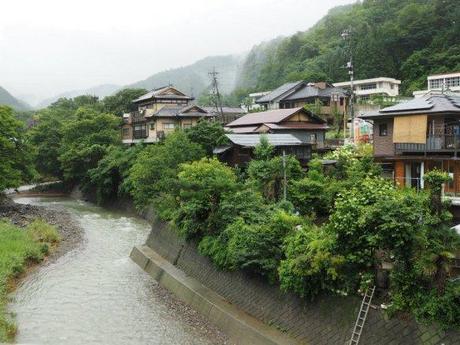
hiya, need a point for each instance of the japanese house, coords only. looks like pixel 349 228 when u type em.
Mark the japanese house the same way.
pixel 301 123
pixel 159 112
pixel 241 148
pixel 416 136
pixel 324 97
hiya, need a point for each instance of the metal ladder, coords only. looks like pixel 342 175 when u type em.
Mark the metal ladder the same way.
pixel 359 325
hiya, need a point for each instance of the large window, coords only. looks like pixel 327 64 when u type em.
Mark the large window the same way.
pixel 453 82
pixel 371 86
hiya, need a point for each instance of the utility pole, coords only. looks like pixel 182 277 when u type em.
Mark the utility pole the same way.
pixel 284 177
pixel 346 35
pixel 216 94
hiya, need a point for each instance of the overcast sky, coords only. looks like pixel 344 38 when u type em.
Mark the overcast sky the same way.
pixel 51 46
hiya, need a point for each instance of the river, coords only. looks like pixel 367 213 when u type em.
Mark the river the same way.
pixel 96 295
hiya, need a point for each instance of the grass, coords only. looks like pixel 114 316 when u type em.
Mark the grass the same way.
pixel 18 249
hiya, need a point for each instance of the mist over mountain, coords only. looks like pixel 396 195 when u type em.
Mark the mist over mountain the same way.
pixel 8 99
pixel 100 91
pixel 194 78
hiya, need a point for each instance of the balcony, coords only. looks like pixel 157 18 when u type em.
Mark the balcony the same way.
pixel 434 144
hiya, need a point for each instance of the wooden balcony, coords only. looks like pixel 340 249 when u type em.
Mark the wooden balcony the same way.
pixel 434 144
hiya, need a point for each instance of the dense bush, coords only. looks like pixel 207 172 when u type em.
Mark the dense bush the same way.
pixel 154 172
pixel 202 184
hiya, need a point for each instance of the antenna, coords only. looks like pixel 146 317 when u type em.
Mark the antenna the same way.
pixel 216 94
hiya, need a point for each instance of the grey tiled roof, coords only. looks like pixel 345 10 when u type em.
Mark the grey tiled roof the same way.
pixel 279 92
pixel 312 91
pixel 252 140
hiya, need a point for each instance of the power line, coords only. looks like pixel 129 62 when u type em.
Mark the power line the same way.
pixel 216 94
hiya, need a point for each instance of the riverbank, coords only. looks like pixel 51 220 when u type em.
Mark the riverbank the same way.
pixel 29 235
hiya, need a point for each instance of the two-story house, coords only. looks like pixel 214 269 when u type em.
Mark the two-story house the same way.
pixel 301 123
pixel 159 112
pixel 416 136
pixel 325 98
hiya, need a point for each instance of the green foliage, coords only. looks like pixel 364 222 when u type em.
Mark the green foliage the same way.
pixel 112 170
pixel 202 184
pixel 85 141
pixel 266 172
pixel 15 151
pixel 311 265
pixel 312 194
pixel 17 249
pixel 42 232
pixel 121 102
pixel 404 39
pixel 154 172
pixel 208 134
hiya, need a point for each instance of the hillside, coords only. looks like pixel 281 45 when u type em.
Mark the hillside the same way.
pixel 7 99
pixel 100 91
pixel 404 39
pixel 194 78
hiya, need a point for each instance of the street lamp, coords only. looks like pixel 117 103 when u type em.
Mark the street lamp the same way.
pixel 346 36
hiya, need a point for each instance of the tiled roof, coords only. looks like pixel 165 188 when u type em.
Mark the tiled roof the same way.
pixel 239 130
pixel 226 110
pixel 252 140
pixel 157 93
pixel 271 116
pixel 172 111
pixel 279 92
pixel 430 104
pixel 297 125
pixel 312 91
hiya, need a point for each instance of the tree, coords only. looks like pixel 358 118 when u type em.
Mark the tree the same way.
pixel 153 176
pixel 208 134
pixel 85 141
pixel 122 101
pixel 202 185
pixel 15 152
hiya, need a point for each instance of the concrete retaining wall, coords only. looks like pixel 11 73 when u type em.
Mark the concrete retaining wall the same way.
pixel 327 320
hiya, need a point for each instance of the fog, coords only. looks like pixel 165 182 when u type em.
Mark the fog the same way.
pixel 50 46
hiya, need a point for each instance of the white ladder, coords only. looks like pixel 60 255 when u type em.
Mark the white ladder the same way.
pixel 359 325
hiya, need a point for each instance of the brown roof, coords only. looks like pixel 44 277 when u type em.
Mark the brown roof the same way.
pixel 296 125
pixel 271 116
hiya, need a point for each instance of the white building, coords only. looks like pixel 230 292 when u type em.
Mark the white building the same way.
pixel 441 82
pixel 252 98
pixel 365 88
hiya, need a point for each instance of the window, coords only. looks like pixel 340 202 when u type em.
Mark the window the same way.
pixel 383 130
pixel 152 126
pixel 186 125
pixel 453 82
pixel 435 83
pixel 168 125
pixel 372 86
pixel 125 132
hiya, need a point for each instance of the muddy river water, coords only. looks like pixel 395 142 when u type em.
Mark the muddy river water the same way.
pixel 95 294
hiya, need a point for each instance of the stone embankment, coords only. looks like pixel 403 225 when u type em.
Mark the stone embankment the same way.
pixel 235 301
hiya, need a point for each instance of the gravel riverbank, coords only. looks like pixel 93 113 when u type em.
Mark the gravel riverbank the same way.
pixel 23 214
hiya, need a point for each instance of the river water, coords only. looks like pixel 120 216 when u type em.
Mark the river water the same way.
pixel 95 294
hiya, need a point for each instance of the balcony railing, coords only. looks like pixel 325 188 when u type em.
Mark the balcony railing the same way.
pixel 440 143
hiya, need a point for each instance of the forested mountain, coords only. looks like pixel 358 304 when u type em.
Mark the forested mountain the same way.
pixel 404 39
pixel 100 91
pixel 7 99
pixel 194 78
